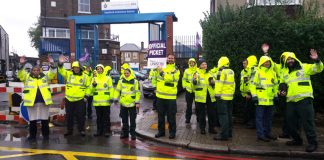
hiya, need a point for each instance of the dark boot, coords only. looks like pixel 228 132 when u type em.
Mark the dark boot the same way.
pixel 45 129
pixel 32 130
pixel 311 148
pixel 124 135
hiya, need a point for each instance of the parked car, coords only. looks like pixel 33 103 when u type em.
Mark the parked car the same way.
pixel 148 89
pixel 139 76
pixel 115 76
pixel 146 71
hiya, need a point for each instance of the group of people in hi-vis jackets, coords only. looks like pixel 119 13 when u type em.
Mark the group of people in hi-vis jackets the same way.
pixel 288 86
pixel 80 85
pixel 263 84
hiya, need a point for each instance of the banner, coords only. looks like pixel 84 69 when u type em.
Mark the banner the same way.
pixel 157 49
pixel 156 54
pixel 120 7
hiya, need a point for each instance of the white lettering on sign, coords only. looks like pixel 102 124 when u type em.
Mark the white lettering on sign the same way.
pixel 157 46
pixel 156 52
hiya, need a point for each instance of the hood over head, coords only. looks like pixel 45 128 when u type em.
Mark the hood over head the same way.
pixel 252 61
pixel 223 62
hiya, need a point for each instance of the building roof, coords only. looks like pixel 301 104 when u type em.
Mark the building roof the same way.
pixel 130 47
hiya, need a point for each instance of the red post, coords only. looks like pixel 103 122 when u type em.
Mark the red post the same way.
pixel 169 39
pixel 72 40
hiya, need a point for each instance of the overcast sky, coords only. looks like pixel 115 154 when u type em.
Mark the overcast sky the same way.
pixel 17 16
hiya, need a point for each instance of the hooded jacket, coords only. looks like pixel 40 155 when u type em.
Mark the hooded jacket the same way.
pixel 188 75
pixel 264 85
pixel 127 90
pixel 90 76
pixel 247 75
pixel 202 85
pixel 102 88
pixel 225 82
pixel 298 78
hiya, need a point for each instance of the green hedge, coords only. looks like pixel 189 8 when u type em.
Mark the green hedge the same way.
pixel 239 32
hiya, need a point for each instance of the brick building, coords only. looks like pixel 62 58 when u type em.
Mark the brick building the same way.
pixel 135 56
pixel 55 38
pixel 4 48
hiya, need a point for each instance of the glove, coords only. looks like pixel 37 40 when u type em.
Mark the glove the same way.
pixel 211 82
pixel 60 64
pixel 115 101
pixel 276 101
pixel 85 99
pixel 111 101
pixel 218 98
pixel 94 85
pixel 255 101
pixel 283 87
pixel 161 74
pixel 194 81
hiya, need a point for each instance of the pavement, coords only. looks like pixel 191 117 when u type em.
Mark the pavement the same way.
pixel 243 141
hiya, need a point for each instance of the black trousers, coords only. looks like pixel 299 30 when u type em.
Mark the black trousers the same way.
pixel 189 99
pixel 283 110
pixel 103 119
pixel 210 107
pixel 249 117
pixel 302 113
pixel 75 109
pixel 154 101
pixel 167 107
pixel 33 128
pixel 224 110
pixel 128 115
pixel 89 106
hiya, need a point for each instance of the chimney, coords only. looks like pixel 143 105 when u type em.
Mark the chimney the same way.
pixel 142 45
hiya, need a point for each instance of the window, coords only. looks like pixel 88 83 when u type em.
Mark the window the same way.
pixel 274 2
pixel 51 33
pixel 128 56
pixel 114 62
pixel 56 33
pixel 53 4
pixel 145 57
pixel 87 34
pixel 84 6
pixel 61 33
pixel 135 55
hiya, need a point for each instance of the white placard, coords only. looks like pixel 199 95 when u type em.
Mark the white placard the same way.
pixel 119 5
pixel 155 62
pixel 67 66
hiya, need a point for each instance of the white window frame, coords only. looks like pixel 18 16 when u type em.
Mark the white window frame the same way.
pixel 274 2
pixel 79 7
pixel 135 55
pixel 89 32
pixel 47 30
pixel 127 56
pixel 145 57
pixel 114 62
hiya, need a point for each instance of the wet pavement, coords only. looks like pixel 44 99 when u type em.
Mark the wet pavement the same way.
pixel 14 144
pixel 243 141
